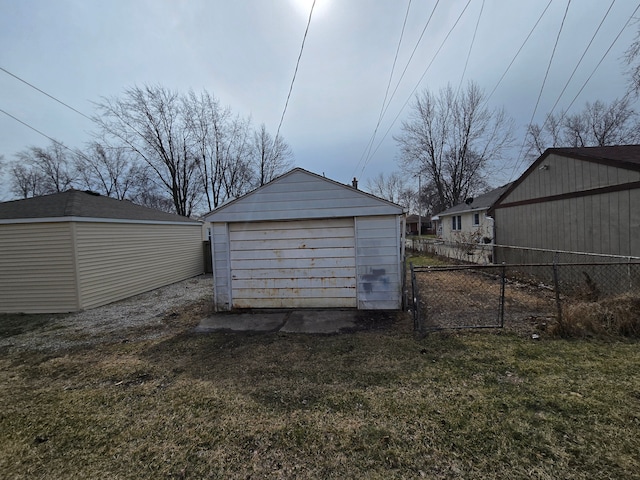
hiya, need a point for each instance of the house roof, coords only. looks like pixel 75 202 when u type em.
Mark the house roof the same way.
pixel 482 202
pixel 302 194
pixel 83 204
pixel 620 156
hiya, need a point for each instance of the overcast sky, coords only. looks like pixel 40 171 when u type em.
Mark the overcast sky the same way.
pixel 245 51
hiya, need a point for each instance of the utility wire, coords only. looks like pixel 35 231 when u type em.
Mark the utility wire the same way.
pixel 57 142
pixel 417 85
pixel 367 149
pixel 398 84
pixel 45 93
pixel 520 157
pixel 296 70
pixel 578 64
pixel 518 52
pixel 473 39
pixel 631 17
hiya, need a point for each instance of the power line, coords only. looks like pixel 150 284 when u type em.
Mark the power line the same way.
pixel 296 69
pixel 520 158
pixel 45 93
pixel 473 39
pixel 579 62
pixel 367 149
pixel 398 84
pixel 417 84
pixel 519 50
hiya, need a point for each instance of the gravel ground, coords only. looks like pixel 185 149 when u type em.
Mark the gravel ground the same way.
pixel 148 315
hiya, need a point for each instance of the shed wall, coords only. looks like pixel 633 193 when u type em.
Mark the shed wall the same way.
pixel 568 175
pixel 221 266
pixel 378 262
pixel 607 223
pixel 118 260
pixel 37 268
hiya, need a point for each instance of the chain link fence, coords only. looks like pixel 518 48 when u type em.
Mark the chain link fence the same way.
pixel 488 296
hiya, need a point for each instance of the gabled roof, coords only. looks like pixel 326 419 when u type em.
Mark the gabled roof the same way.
pixel 620 156
pixel 82 204
pixel 302 194
pixel 482 202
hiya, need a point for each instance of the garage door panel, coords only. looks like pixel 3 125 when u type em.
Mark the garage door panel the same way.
pixel 238 274
pixel 289 264
pixel 333 242
pixel 284 254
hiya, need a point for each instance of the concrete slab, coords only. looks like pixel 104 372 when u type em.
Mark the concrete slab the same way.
pixel 286 321
pixel 243 322
pixel 319 321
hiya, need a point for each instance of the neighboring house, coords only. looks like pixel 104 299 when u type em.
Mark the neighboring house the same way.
pixel 573 199
pixel 303 240
pixel 416 223
pixel 76 250
pixel 466 228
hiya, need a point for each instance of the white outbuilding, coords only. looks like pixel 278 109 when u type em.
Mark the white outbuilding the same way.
pixel 304 241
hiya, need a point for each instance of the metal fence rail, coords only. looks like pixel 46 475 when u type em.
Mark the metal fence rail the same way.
pixel 487 296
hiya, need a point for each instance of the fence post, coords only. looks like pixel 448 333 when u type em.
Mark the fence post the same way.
pixel 414 296
pixel 502 285
pixel 556 284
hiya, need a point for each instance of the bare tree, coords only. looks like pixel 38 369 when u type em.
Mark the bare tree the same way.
pixel 598 125
pixel 390 187
pixel 26 181
pixel 150 122
pixel 107 170
pixel 451 139
pixel 40 171
pixel 272 157
pixel 632 58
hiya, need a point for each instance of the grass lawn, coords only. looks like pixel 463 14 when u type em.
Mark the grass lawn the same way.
pixel 372 404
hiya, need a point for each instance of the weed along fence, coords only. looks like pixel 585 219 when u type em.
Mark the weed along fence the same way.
pixel 490 296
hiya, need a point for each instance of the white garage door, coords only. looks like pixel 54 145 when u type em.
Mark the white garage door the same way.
pixel 308 264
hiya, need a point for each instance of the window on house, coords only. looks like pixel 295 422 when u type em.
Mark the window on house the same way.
pixel 456 222
pixel 476 219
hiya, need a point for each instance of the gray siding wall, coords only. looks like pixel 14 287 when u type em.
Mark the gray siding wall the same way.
pixel 378 262
pixel 302 196
pixel 221 266
pixel 566 175
pixel 118 260
pixel 37 273
pixel 607 223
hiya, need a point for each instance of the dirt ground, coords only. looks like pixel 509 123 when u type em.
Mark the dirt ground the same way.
pixel 466 298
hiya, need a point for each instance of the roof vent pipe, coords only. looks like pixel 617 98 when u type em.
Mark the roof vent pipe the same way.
pixel 354 183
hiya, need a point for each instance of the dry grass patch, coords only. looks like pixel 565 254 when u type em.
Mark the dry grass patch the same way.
pixel 613 316
pixel 372 404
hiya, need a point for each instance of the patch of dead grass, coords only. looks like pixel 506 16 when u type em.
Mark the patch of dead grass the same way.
pixel 612 316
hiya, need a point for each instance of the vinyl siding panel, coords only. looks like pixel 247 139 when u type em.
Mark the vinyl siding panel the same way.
pixel 379 272
pixel 118 260
pixel 37 268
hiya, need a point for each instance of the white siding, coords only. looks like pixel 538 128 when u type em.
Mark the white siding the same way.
pixel 221 266
pixel 37 273
pixel 293 264
pixel 116 261
pixel 378 262
pixel 302 195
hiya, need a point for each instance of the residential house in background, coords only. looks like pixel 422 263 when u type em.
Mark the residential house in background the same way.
pixel 575 200
pixel 466 229
pixel 76 250
pixel 303 240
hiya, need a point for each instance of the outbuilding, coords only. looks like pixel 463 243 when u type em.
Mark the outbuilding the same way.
pixel 583 200
pixel 304 241
pixel 76 250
